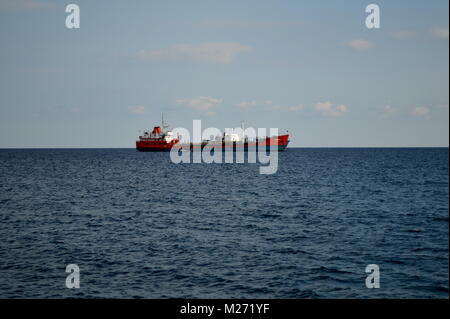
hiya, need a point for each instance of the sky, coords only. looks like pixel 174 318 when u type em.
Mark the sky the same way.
pixel 310 67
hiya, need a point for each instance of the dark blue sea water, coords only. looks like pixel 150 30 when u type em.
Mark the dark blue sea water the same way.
pixel 139 226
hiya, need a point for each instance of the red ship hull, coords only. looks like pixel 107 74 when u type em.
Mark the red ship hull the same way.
pixel 279 143
pixel 155 146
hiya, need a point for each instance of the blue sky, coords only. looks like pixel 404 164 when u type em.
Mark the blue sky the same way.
pixel 310 67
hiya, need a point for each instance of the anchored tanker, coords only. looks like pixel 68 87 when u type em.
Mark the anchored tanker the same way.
pixel 162 139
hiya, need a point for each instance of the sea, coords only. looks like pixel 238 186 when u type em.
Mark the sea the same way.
pixel 137 225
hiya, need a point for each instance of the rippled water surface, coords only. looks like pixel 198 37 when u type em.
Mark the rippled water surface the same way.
pixel 138 225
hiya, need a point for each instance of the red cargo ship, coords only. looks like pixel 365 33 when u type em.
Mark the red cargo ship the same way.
pixel 158 140
pixel 161 139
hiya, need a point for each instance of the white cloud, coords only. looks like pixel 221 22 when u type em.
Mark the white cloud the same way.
pixel 210 52
pixel 341 108
pixel 24 4
pixel 136 109
pixel 201 103
pixel 246 104
pixel 440 33
pixel 421 111
pixel 360 45
pixel 327 109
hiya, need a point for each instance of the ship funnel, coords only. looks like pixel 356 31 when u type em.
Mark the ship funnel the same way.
pixel 156 130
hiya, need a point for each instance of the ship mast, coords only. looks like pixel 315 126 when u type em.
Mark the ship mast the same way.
pixel 163 124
